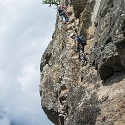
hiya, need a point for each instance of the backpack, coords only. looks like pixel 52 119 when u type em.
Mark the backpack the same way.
pixel 82 40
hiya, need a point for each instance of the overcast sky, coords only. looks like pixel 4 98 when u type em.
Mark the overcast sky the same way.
pixel 26 27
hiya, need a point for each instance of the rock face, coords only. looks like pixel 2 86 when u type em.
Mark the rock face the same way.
pixel 95 93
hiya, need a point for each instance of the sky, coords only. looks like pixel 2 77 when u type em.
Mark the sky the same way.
pixel 26 28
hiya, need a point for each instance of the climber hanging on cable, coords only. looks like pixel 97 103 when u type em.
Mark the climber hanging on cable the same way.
pixel 80 42
pixel 62 13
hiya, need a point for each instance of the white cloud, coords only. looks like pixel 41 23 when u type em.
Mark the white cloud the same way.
pixel 26 27
pixel 4 121
pixel 28 78
pixel 4 116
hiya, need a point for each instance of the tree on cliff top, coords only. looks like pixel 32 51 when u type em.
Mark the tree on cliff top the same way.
pixel 51 2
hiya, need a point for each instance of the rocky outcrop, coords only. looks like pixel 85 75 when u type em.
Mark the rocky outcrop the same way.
pixel 95 93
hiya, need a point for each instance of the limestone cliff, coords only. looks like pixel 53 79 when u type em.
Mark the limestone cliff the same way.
pixel 95 93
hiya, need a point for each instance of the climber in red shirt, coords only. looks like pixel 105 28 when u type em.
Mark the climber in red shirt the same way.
pixel 62 13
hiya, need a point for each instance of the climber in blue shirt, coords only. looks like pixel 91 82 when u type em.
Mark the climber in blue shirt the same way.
pixel 80 42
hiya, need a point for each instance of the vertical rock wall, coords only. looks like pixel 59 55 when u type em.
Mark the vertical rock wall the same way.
pixel 95 93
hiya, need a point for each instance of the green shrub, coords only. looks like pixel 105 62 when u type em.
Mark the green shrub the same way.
pixel 51 2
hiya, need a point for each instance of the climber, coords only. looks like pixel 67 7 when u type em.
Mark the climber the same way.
pixel 62 13
pixel 61 117
pixel 80 42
